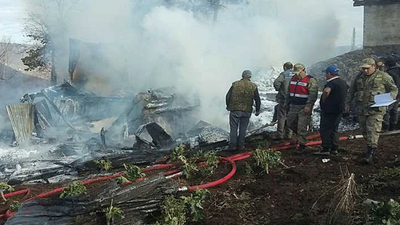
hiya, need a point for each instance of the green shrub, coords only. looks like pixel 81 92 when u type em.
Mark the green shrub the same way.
pixel 177 152
pixel 5 187
pixel 14 206
pixel 133 172
pixel 385 213
pixel 73 189
pixel 104 164
pixel 178 211
pixel 121 180
pixel 193 167
pixel 265 159
pixel 113 214
pixel 194 204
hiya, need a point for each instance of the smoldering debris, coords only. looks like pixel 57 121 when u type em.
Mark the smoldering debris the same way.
pixel 72 128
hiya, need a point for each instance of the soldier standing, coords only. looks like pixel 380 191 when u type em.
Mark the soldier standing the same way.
pixel 390 119
pixel 302 94
pixel 239 101
pixel 364 88
pixel 281 84
pixel 332 106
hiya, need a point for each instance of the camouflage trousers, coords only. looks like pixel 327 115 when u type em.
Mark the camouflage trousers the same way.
pixel 370 126
pixel 283 129
pixel 298 121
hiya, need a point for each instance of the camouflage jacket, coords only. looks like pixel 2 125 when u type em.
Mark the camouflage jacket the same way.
pixel 312 87
pixel 364 88
pixel 241 95
pixel 281 84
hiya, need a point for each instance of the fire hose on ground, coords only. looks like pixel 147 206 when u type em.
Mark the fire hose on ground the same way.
pixel 174 173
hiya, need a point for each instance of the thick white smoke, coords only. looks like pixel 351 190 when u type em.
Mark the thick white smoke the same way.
pixel 176 42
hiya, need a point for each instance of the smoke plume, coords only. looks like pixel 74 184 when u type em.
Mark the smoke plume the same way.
pixel 177 42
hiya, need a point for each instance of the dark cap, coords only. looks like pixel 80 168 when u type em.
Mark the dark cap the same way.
pixel 246 74
pixel 390 62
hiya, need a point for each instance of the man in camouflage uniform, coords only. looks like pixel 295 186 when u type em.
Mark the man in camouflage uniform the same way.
pixel 364 87
pixel 239 101
pixel 281 84
pixel 302 94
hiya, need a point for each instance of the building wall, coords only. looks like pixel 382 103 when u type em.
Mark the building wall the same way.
pixel 381 25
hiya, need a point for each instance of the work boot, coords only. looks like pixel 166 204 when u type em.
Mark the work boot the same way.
pixel 231 148
pixel 324 151
pixel 241 148
pixel 385 128
pixel 301 149
pixel 334 150
pixel 370 155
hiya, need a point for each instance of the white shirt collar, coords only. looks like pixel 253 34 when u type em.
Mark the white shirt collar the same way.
pixel 332 79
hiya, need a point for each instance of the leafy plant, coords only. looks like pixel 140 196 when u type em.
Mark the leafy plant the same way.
pixel 113 214
pixel 177 152
pixel 266 159
pixel 201 164
pixel 133 172
pixel 178 211
pixel 386 213
pixel 248 168
pixel 73 189
pixel 189 167
pixel 173 212
pixel 121 180
pixel 211 162
pixel 194 204
pixel 14 206
pixel 5 187
pixel 104 164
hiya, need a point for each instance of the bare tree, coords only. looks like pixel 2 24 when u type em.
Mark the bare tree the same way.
pixel 5 59
pixel 46 33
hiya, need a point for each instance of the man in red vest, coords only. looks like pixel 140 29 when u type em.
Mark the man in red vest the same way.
pixel 303 92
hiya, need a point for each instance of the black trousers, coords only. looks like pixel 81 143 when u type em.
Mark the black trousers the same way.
pixel 329 130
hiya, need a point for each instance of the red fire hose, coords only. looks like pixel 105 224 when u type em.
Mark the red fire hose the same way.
pixel 231 160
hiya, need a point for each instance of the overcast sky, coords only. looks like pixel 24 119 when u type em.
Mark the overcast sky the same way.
pixel 13 14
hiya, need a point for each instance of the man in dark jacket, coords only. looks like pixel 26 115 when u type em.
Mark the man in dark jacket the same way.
pixel 281 84
pixel 332 106
pixel 239 101
pixel 391 117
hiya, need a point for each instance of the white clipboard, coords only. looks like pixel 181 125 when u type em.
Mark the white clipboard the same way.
pixel 383 100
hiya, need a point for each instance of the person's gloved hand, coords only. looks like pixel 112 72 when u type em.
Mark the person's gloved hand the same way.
pixel 257 113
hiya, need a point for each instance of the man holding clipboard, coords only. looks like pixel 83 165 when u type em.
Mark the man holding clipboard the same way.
pixel 365 88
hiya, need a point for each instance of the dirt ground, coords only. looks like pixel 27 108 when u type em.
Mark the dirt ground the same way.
pixel 303 194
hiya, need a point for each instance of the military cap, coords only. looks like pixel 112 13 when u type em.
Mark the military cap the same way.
pixel 298 67
pixel 367 63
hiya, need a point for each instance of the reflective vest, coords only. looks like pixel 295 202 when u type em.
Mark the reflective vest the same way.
pixel 298 90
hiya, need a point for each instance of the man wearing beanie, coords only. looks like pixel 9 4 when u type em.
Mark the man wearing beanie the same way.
pixel 239 101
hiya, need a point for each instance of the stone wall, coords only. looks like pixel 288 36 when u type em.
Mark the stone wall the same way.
pixel 381 25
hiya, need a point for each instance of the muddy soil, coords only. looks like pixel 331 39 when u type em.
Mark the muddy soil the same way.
pixel 304 193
